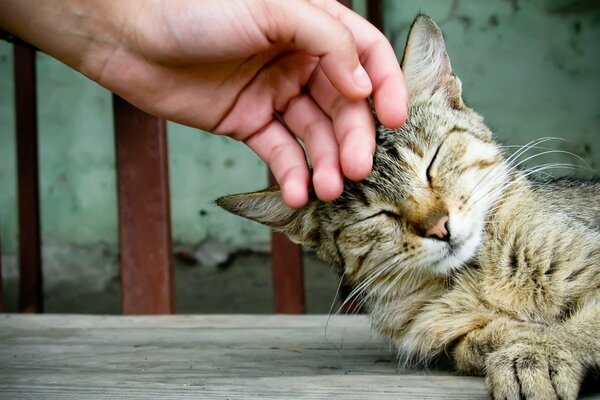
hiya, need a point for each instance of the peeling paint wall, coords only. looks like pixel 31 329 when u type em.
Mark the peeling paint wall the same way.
pixel 77 167
pixel 530 67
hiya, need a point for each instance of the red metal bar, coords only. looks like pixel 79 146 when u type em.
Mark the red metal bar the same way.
pixel 375 13
pixel 1 285
pixel 288 273
pixel 287 265
pixel 144 213
pixel 30 260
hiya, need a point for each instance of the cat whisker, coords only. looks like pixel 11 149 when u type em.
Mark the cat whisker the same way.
pixel 494 191
pixel 383 274
pixel 527 173
pixel 390 285
pixel 511 161
pixel 335 297
pixel 373 291
pixel 537 170
pixel 525 148
pixel 366 282
pixel 553 152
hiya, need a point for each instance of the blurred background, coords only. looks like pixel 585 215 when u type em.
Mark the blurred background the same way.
pixel 532 68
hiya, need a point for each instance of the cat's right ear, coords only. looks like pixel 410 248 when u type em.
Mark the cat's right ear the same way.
pixel 426 65
pixel 268 208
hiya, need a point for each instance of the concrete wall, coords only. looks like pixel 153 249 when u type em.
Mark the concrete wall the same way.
pixel 77 166
pixel 531 67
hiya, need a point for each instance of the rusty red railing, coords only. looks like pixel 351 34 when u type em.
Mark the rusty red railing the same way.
pixel 144 217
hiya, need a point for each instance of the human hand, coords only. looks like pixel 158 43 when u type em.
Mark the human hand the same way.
pixel 252 70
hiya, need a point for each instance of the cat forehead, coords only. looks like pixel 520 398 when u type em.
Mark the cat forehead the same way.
pixel 429 123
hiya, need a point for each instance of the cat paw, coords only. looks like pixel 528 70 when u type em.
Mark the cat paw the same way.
pixel 530 371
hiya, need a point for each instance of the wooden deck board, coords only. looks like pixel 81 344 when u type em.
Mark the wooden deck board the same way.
pixel 209 357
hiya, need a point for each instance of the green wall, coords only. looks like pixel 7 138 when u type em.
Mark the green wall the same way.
pixel 530 67
pixel 77 167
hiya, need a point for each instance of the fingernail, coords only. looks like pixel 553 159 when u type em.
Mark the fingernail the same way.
pixel 361 79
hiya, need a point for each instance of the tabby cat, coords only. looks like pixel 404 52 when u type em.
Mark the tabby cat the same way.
pixel 454 249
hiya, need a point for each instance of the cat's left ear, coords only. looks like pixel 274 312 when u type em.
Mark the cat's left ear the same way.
pixel 426 65
pixel 268 208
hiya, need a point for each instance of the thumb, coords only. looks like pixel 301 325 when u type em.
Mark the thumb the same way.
pixel 306 27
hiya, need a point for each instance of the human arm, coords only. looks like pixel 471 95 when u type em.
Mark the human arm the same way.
pixel 238 68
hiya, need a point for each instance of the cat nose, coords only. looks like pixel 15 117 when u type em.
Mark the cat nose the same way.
pixel 439 230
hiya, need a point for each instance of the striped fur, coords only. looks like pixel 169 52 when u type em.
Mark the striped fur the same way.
pixel 514 294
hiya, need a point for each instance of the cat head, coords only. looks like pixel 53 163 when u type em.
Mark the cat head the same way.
pixel 434 181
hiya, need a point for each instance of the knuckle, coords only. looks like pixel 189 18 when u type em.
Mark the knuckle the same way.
pixel 277 152
pixel 345 40
pixel 317 126
pixel 337 105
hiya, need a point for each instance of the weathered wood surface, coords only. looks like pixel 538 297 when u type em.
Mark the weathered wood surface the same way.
pixel 209 357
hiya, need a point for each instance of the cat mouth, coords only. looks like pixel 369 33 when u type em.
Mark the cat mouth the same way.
pixel 454 247
pixel 463 249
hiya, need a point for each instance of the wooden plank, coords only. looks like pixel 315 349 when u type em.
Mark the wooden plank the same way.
pixel 287 263
pixel 375 13
pixel 144 213
pixel 210 357
pixel 30 259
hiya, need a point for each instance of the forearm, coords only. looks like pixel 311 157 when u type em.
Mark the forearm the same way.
pixel 81 34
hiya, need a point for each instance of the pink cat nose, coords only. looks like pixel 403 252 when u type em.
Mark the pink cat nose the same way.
pixel 439 230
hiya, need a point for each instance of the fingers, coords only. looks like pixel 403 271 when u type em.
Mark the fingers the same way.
pixel 311 29
pixel 342 39
pixel 284 156
pixel 315 129
pixel 380 61
pixel 389 89
pixel 337 127
pixel 270 90
pixel 353 126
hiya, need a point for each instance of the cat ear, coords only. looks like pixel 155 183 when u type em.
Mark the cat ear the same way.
pixel 426 65
pixel 268 208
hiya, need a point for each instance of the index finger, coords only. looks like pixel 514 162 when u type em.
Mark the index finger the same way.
pixel 310 28
pixel 379 59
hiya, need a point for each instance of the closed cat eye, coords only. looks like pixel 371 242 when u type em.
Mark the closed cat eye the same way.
pixel 377 214
pixel 428 171
pixel 390 214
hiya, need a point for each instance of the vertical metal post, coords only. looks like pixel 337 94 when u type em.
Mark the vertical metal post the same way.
pixel 1 284
pixel 288 273
pixel 30 259
pixel 375 13
pixel 144 211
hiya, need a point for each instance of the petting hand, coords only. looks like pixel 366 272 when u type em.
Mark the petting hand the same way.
pixel 252 70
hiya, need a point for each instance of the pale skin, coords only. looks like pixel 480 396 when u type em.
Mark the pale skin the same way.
pixel 264 72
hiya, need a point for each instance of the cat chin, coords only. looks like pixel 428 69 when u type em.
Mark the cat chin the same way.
pixel 459 256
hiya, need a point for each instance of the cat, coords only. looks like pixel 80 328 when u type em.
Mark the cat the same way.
pixel 454 249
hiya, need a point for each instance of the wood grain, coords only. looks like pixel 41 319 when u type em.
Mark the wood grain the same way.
pixel 209 357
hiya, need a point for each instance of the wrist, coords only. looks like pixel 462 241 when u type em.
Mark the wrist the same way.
pixel 81 34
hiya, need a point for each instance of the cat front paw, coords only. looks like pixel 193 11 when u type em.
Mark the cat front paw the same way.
pixel 533 371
